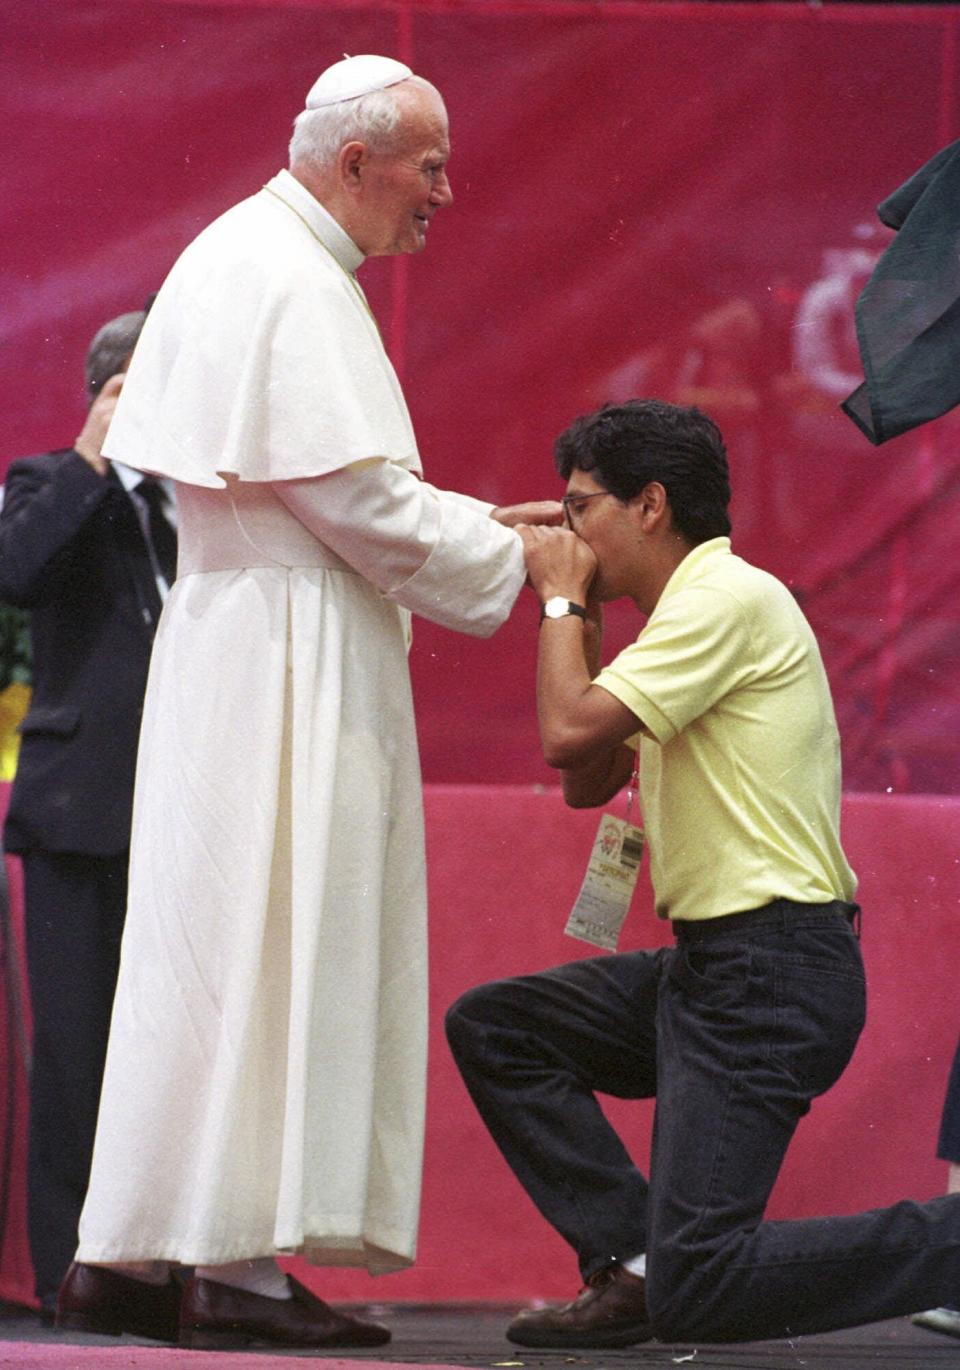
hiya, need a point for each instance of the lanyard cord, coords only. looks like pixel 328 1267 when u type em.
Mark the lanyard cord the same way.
pixel 634 784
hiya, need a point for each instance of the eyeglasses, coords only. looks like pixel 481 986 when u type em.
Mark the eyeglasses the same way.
pixel 573 504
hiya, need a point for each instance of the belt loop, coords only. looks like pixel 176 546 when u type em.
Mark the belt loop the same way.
pixel 856 920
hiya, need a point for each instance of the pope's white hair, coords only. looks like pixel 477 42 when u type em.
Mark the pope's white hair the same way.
pixel 319 134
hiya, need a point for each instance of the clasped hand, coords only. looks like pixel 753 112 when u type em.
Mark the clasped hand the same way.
pixel 558 562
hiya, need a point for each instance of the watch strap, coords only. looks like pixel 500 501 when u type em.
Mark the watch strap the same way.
pixel 558 607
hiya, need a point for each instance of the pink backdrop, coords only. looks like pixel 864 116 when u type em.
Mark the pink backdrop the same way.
pixel 667 199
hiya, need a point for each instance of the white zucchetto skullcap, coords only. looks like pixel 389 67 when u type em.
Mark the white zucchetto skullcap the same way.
pixel 355 76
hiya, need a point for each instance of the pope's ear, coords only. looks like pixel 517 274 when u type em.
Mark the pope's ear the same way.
pixel 350 162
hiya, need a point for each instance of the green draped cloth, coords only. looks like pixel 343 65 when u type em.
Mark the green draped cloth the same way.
pixel 908 314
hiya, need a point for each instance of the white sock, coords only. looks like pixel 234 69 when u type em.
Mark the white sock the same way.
pixel 150 1272
pixel 637 1265
pixel 261 1276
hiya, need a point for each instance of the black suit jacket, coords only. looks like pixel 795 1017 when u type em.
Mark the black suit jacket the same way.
pixel 72 552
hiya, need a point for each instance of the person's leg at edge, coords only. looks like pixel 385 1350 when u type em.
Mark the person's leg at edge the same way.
pixel 946 1318
pixel 74 911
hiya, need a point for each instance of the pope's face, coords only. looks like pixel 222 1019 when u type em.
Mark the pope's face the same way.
pixel 405 186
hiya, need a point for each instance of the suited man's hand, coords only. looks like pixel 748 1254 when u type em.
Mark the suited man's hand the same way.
pixel 90 439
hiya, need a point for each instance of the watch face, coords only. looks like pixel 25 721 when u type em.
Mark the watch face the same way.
pixel 556 608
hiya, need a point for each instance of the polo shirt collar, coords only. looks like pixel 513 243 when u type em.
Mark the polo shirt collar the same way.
pixel 693 562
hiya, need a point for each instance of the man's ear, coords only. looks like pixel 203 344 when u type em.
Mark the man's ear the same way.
pixel 653 507
pixel 351 160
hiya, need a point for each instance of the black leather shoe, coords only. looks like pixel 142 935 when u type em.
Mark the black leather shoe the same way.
pixel 94 1298
pixel 610 1310
pixel 218 1317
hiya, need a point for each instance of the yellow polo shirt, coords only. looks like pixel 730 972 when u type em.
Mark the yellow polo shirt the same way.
pixel 739 751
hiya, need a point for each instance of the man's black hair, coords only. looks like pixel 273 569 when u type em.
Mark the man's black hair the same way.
pixel 626 446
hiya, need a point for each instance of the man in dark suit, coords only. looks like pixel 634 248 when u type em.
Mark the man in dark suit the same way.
pixel 90 552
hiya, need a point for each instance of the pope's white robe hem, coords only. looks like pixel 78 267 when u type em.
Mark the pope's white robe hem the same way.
pixel 377 1253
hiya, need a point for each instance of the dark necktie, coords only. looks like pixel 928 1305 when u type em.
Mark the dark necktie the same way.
pixel 162 536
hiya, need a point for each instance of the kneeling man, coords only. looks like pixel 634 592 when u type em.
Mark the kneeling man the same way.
pixel 757 1007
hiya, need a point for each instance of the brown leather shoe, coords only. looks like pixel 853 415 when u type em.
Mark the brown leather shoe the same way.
pixel 610 1310
pixel 94 1298
pixel 218 1317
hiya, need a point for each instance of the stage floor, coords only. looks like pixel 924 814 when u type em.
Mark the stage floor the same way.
pixel 471 1335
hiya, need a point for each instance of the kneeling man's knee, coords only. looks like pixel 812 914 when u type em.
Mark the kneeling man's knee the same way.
pixel 468 1016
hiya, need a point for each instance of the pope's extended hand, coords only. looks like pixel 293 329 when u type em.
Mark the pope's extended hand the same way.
pixel 558 562
pixel 542 511
pixel 91 437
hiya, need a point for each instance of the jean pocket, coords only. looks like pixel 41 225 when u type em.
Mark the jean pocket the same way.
pixel 721 987
pixel 819 1011
pixel 710 970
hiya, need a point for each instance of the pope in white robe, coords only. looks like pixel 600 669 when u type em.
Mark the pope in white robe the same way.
pixel 264 1088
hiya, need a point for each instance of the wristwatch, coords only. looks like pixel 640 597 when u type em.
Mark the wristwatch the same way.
pixel 558 607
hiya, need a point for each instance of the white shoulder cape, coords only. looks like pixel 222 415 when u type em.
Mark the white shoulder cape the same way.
pixel 260 357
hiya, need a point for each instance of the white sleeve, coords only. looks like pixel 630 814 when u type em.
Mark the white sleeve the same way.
pixel 480 506
pixel 424 548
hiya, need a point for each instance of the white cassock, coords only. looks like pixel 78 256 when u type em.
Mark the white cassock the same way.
pixel 264 1087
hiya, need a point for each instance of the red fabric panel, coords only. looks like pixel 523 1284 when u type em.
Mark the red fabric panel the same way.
pixel 651 198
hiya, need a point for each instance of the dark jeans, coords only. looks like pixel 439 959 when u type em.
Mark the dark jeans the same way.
pixel 734 1031
pixel 74 909
pixel 948 1144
